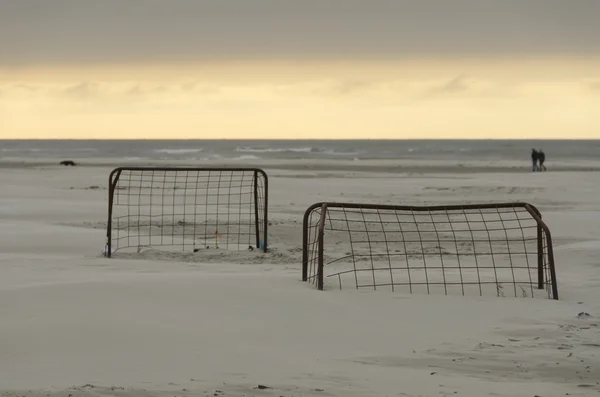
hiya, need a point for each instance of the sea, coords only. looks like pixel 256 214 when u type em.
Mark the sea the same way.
pixel 239 150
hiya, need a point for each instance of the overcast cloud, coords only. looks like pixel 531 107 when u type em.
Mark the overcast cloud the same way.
pixel 66 31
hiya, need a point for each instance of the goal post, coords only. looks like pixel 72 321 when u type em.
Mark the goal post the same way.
pixel 187 207
pixel 502 249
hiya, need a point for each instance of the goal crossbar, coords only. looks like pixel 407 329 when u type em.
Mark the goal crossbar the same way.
pixel 485 249
pixel 187 207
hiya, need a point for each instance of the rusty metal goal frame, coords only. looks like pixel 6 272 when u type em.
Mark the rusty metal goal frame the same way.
pixel 187 207
pixel 481 248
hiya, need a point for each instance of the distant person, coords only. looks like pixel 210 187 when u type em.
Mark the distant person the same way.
pixel 534 159
pixel 541 159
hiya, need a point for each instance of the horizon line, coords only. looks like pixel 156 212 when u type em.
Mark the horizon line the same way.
pixel 300 139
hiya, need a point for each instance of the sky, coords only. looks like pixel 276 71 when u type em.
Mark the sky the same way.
pixel 302 69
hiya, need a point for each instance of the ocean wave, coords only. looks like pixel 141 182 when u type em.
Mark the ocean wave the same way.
pixel 307 150
pixel 245 157
pixel 250 149
pixel 178 151
pixel 11 150
pixel 340 153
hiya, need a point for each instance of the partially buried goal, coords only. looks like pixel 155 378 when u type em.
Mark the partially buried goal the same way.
pixel 475 249
pixel 187 208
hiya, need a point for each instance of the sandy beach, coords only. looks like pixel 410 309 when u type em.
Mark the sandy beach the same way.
pixel 399 243
pixel 76 324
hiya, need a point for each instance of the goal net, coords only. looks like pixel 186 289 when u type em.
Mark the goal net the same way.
pixel 486 249
pixel 187 208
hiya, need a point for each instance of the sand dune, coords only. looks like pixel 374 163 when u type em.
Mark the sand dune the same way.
pixel 76 324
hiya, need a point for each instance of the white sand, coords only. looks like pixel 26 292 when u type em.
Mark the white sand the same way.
pixel 73 323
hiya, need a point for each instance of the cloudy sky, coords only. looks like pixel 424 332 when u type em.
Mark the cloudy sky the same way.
pixel 299 69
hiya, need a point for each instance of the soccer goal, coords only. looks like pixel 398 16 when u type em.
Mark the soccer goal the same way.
pixel 475 249
pixel 187 208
